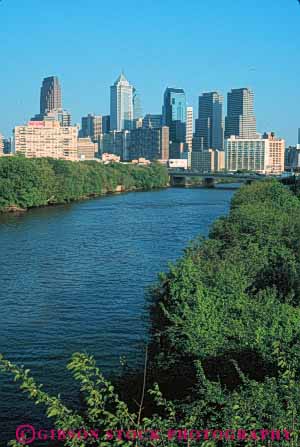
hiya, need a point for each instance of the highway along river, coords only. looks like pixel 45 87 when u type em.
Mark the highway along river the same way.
pixel 73 278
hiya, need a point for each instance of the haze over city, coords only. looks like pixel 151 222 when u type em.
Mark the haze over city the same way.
pixel 198 48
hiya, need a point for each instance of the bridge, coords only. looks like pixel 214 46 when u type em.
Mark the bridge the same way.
pixel 182 177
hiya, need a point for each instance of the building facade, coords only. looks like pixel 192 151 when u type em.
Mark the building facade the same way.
pixel 262 155
pixel 209 131
pixel 151 143
pixel 50 97
pixel 137 105
pixel 153 121
pixel 121 105
pixel 240 120
pixel 105 123
pixel 91 126
pixel 174 114
pixel 86 149
pixel 189 128
pixel 211 160
pixel 46 139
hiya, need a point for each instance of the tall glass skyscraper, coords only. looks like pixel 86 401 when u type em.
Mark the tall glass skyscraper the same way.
pixel 174 113
pixel 121 104
pixel 240 120
pixel 209 133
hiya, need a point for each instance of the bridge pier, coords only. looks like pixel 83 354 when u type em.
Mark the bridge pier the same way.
pixel 209 182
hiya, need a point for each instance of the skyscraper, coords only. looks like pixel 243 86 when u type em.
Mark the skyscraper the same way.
pixel 91 126
pixel 174 113
pixel 50 95
pixel 189 128
pixel 137 105
pixel 209 132
pixel 121 104
pixel 240 120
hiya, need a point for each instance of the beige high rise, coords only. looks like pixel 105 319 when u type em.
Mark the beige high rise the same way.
pixel 46 139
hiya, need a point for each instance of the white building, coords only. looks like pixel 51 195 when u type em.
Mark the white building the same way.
pixel 189 128
pixel 46 139
pixel 121 105
pixel 263 155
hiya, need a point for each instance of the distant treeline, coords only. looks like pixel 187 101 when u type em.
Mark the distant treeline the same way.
pixel 27 183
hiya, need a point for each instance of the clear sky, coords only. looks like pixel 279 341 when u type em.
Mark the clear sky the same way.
pixel 194 44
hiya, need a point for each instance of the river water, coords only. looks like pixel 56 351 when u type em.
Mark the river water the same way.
pixel 73 278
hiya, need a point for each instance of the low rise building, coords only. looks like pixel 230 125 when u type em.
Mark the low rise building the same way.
pixel 86 149
pixel 178 163
pixel 208 161
pixel 46 139
pixel 110 158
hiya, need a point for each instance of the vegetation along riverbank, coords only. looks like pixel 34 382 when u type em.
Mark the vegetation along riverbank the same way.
pixel 224 349
pixel 26 183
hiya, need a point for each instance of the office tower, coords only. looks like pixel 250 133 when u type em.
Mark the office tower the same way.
pixel 189 128
pixel 174 114
pixel 151 120
pixel 50 95
pixel 106 124
pixel 299 136
pixel 46 139
pixel 137 105
pixel 149 143
pixel 264 155
pixel 121 104
pixel 209 132
pixel 240 120
pixel 91 126
pixel 86 149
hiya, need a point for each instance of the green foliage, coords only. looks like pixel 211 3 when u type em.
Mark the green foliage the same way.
pixel 225 334
pixel 27 183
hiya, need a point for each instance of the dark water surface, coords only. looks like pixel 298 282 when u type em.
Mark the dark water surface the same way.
pixel 73 278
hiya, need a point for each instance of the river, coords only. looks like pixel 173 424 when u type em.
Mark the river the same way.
pixel 73 278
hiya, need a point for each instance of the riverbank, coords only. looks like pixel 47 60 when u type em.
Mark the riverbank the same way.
pixel 30 183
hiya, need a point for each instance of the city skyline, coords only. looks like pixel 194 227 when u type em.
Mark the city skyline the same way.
pixel 243 51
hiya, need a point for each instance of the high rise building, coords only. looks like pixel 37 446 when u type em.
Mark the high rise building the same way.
pixel 240 120
pixel 209 133
pixel 189 128
pixel 299 136
pixel 137 105
pixel 264 155
pixel 46 139
pixel 153 121
pixel 121 104
pixel 50 95
pixel 91 126
pixel 106 124
pixel 174 113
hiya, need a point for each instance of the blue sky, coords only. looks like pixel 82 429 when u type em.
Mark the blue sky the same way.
pixel 194 44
